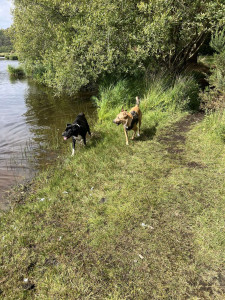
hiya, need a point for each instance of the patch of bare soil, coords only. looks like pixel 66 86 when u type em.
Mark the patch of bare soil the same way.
pixel 174 138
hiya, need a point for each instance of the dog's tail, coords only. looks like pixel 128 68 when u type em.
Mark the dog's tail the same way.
pixel 137 101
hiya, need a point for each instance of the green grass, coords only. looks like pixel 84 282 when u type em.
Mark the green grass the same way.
pixel 162 94
pixel 143 221
pixel 215 124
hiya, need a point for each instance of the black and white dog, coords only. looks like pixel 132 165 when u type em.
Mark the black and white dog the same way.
pixel 77 130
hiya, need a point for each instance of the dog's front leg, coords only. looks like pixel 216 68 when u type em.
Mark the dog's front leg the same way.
pixel 73 145
pixel 84 140
pixel 126 135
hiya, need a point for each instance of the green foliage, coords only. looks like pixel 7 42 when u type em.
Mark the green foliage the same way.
pixel 13 57
pixel 78 42
pixel 218 41
pixel 217 79
pixel 5 43
pixel 214 97
pixel 16 72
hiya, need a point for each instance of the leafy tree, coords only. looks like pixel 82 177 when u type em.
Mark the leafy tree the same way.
pixel 70 44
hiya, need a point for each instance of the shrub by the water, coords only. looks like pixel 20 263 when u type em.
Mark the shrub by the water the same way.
pixel 11 56
pixel 16 72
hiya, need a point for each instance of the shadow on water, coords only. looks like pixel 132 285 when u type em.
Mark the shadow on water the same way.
pixel 32 120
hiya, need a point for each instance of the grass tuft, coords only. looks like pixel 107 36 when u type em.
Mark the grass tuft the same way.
pixel 16 72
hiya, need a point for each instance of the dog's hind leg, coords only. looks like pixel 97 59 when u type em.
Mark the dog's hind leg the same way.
pixel 73 146
pixel 135 130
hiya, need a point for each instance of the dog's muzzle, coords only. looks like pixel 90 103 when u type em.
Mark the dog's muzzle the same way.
pixel 64 137
pixel 116 123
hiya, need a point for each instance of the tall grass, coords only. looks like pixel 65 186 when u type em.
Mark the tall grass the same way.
pixel 116 95
pixel 214 125
pixel 164 95
pixel 161 93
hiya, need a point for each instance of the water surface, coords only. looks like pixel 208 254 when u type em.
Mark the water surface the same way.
pixel 31 122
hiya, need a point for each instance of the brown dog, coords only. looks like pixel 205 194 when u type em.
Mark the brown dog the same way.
pixel 130 120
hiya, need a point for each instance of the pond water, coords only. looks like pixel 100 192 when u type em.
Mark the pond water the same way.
pixel 32 120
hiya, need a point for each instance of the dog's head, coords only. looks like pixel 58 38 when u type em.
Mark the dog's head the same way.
pixel 71 130
pixel 121 118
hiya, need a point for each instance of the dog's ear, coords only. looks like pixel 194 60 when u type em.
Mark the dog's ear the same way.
pixel 68 125
pixel 125 115
pixel 122 109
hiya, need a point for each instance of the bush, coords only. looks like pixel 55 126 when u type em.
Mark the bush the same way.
pixel 214 97
pixel 16 72
pixel 13 57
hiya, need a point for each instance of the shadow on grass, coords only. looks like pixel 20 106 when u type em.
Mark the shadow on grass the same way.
pixel 96 137
pixel 148 133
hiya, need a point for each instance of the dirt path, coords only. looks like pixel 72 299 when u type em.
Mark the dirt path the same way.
pixel 174 138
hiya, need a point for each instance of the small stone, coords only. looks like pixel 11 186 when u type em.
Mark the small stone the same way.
pixel 147 226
